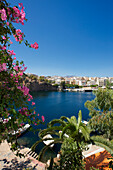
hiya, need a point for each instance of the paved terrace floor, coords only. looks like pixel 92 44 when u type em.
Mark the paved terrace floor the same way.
pixel 9 161
pixel 95 156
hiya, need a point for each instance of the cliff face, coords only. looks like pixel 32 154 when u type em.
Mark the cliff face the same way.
pixel 34 85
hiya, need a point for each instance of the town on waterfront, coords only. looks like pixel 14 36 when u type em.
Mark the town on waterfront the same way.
pixel 66 83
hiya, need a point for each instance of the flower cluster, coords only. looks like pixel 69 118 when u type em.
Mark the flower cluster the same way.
pixel 3 47
pixel 24 111
pixel 3 67
pixel 19 35
pixel 11 52
pixel 35 45
pixel 13 92
pixel 3 14
pixel 17 16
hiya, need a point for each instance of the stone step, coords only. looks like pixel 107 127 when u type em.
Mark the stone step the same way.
pixel 32 154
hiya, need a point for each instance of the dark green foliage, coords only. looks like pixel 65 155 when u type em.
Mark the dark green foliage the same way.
pixel 93 85
pixel 41 78
pixel 55 85
pixel 108 84
pixel 72 86
pixel 101 112
pixel 62 84
pixel 71 156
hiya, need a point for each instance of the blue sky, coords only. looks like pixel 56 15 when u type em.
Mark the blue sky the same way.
pixel 75 37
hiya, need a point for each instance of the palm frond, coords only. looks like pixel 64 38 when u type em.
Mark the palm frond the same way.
pixel 64 130
pixel 49 130
pixel 63 118
pixel 43 150
pixel 73 121
pixel 36 144
pixel 53 122
pixel 104 143
pixel 79 117
pixel 85 133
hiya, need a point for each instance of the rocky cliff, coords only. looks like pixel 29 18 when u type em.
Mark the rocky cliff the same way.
pixel 35 85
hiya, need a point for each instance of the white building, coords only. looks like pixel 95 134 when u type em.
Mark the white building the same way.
pixel 91 82
pixel 101 81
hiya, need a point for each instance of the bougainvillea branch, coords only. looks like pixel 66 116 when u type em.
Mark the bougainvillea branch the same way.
pixel 14 95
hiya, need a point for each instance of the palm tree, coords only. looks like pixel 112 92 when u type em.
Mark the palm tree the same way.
pixel 69 127
pixel 74 130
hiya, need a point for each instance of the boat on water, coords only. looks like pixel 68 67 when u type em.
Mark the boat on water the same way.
pixel 21 130
pixel 47 142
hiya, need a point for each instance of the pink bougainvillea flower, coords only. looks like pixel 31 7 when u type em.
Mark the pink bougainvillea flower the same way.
pixel 33 103
pixel 15 68
pixel 4 38
pixel 3 14
pixel 29 100
pixel 3 67
pixel 25 90
pixel 16 12
pixel 7 23
pixel 16 75
pixel 25 68
pixel 38 114
pixel 20 4
pixel 14 58
pixel 35 45
pixel 11 75
pixel 17 15
pixel 19 35
pixel 11 52
pixel 20 74
pixel 9 11
pixel 19 87
pixel 30 96
pixel 20 67
pixel 3 47
pixel 22 13
pixel 24 111
pixel 43 119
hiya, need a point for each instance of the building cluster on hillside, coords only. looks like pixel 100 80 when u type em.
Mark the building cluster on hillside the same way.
pixel 74 80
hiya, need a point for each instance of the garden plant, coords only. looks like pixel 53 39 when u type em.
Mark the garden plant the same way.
pixel 14 95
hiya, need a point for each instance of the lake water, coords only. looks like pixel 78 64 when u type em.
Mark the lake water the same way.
pixel 53 105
